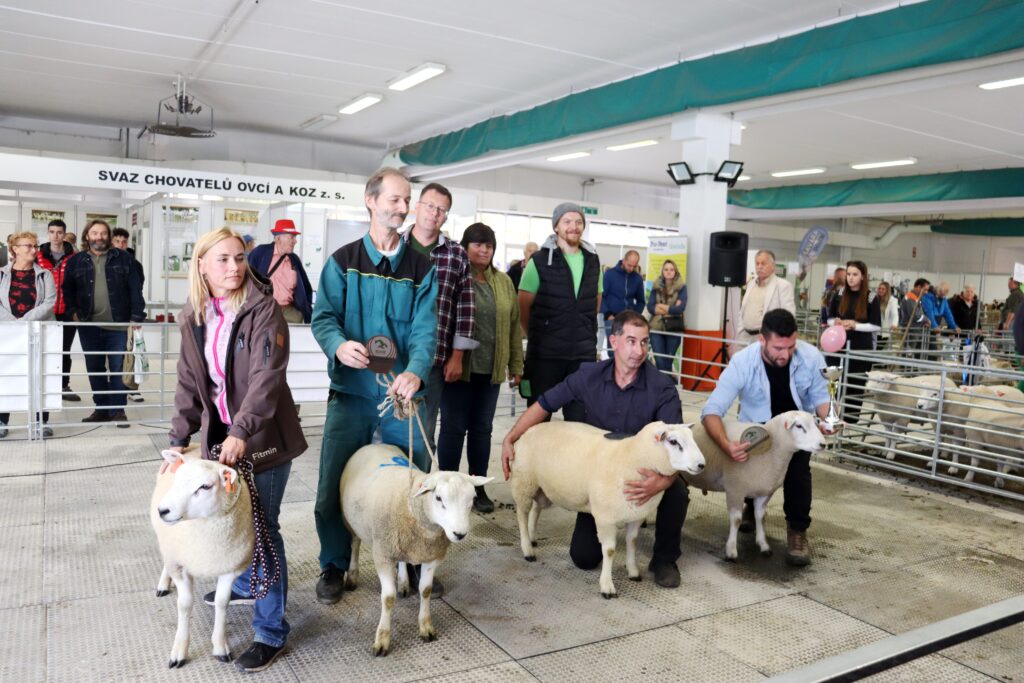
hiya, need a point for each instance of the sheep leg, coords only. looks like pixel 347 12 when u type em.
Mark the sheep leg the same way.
pixel 386 573
pixel 890 440
pixel 531 527
pixel 955 457
pixel 1003 467
pixel 632 529
pixel 403 579
pixel 760 503
pixel 182 584
pixel 163 586
pixel 970 473
pixel 427 631
pixel 524 536
pixel 220 610
pixel 735 517
pixel 606 536
pixel 351 579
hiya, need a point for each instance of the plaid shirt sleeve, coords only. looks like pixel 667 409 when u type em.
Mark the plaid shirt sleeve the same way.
pixel 455 300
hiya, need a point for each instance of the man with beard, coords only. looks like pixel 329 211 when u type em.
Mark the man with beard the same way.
pixel 774 375
pixel 375 286
pixel 621 395
pixel 559 297
pixel 103 285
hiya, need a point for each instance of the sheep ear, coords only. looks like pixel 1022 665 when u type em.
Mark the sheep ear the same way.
pixel 659 436
pixel 428 484
pixel 786 424
pixel 170 456
pixel 480 481
pixel 687 425
pixel 1000 393
pixel 228 478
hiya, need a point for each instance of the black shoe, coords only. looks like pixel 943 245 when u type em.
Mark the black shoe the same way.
pixel 235 599
pixel 666 574
pixel 3 430
pixel 747 524
pixel 330 586
pixel 96 416
pixel 70 395
pixel 481 502
pixel 258 657
pixel 120 418
pixel 47 432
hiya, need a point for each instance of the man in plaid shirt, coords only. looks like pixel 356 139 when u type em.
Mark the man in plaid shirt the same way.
pixel 455 305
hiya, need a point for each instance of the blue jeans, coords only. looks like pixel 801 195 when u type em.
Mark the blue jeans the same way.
pixel 432 404
pixel 467 407
pixel 104 359
pixel 268 614
pixel 664 344
pixel 349 425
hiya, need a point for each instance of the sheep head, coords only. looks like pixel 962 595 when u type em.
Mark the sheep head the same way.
pixel 683 453
pixel 201 488
pixel 450 500
pixel 803 430
pixel 879 380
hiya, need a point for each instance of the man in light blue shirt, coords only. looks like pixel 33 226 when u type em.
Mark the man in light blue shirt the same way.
pixel 776 374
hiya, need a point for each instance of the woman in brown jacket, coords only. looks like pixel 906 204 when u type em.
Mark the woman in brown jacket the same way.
pixel 232 390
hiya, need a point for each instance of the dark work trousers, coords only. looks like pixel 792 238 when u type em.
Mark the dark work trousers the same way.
pixel 855 390
pixel 69 339
pixel 467 415
pixel 585 549
pixel 545 373
pixel 796 492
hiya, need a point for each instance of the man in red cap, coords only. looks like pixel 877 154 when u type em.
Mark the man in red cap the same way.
pixel 279 263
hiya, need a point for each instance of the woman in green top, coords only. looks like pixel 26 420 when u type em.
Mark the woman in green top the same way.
pixel 467 406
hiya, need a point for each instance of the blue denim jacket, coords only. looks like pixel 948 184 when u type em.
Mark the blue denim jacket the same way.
pixel 745 378
pixel 124 286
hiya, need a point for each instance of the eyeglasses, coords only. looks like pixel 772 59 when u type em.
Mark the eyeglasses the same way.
pixel 434 209
pixel 30 246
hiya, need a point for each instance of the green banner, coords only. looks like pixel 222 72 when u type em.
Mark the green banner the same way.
pixel 982 227
pixel 1006 182
pixel 921 34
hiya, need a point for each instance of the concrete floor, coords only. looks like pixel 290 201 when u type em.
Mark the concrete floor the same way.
pixel 78 566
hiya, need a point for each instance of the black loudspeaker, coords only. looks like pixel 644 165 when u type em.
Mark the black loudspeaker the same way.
pixel 727 259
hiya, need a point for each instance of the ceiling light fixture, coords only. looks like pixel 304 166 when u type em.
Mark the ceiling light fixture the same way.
pixel 998 85
pixel 800 171
pixel 361 103
pixel 318 122
pixel 631 145
pixel 884 164
pixel 743 178
pixel 418 75
pixel 570 155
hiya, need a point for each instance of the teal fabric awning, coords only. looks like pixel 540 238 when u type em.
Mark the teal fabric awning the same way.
pixel 923 34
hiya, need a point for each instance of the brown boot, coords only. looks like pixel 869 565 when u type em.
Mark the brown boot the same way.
pixel 798 550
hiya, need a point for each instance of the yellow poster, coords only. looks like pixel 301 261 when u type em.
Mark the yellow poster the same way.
pixel 663 249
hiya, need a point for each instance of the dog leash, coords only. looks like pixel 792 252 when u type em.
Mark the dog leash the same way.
pixel 265 562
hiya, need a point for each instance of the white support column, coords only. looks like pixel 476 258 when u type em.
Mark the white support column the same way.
pixel 706 141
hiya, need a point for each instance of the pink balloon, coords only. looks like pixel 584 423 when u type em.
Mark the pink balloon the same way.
pixel 833 339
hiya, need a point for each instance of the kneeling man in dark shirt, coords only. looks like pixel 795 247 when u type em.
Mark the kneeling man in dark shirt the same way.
pixel 622 395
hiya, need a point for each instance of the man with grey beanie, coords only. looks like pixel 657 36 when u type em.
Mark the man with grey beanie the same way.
pixel 559 298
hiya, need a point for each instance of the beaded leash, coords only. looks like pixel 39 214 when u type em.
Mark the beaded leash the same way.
pixel 264 555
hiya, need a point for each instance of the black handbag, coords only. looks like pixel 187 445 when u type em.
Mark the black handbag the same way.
pixel 672 323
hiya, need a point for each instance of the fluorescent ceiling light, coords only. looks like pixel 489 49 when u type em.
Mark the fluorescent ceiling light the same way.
pixel 996 85
pixel 570 155
pixel 417 76
pixel 884 164
pixel 361 103
pixel 631 145
pixel 800 171
pixel 742 178
pixel 318 122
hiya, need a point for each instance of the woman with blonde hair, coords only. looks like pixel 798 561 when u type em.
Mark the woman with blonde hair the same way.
pixel 666 305
pixel 27 292
pixel 232 389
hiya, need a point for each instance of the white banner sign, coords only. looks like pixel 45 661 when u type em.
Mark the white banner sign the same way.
pixel 14 366
pixel 20 168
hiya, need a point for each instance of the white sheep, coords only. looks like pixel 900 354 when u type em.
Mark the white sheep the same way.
pixel 587 473
pixel 956 408
pixel 384 505
pixel 760 475
pixel 997 426
pixel 895 400
pixel 202 514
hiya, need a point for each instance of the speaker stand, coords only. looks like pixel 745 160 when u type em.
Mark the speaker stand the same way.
pixel 722 355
